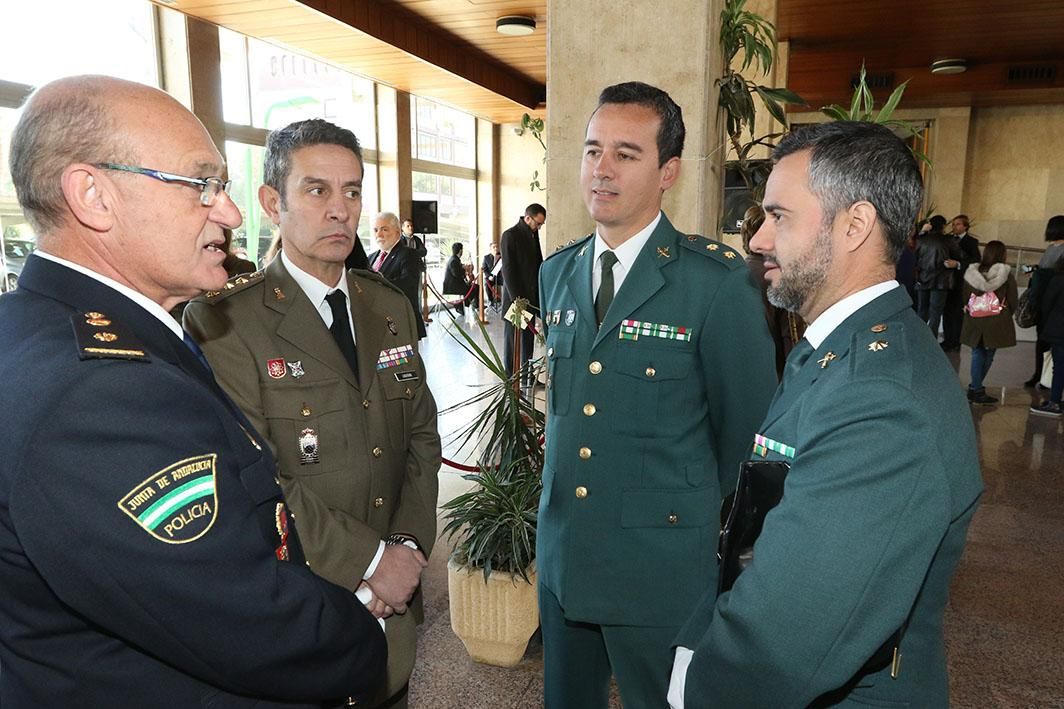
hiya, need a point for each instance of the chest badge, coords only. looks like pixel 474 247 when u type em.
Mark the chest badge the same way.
pixel 570 317
pixel 276 368
pixel 392 327
pixel 826 360
pixel 308 447
pixel 296 369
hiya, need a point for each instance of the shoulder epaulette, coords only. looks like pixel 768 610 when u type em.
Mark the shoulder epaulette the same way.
pixel 716 250
pixel 573 243
pixel 880 346
pixel 373 276
pixel 100 337
pixel 235 284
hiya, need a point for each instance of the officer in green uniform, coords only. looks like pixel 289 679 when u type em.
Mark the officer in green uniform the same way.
pixel 843 600
pixel 325 364
pixel 649 413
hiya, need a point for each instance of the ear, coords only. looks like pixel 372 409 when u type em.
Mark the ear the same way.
pixel 670 172
pixel 270 199
pixel 90 196
pixel 861 219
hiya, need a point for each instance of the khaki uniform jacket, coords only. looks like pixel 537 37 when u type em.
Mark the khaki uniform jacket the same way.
pixel 378 447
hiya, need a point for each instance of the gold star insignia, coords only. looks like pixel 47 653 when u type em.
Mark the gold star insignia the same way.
pixel 729 254
pixel 241 281
pixel 825 360
pixel 94 315
pixel 105 336
pixel 879 328
pixel 878 346
pixel 212 293
pixel 712 247
pixel 229 286
pixel 278 294
pixel 663 251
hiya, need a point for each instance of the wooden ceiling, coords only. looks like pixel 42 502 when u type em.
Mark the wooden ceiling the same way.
pixel 442 49
pixel 449 50
pixel 830 38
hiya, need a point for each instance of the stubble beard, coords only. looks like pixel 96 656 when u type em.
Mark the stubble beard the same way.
pixel 804 276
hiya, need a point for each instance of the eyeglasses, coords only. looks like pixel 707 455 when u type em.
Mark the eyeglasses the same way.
pixel 209 187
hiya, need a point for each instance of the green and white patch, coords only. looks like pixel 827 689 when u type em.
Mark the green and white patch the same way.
pixel 179 503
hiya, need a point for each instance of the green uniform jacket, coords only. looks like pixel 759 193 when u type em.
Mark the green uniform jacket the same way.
pixel 884 480
pixel 645 431
pixel 378 446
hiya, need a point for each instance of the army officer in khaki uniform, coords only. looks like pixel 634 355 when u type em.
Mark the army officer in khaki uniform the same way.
pixel 325 364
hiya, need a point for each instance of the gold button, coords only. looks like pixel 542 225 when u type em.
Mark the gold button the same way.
pixel 581 492
pixel 585 452
pixel 589 409
pixel 365 403
pixel 673 519
pixel 651 371
pixel 379 502
pixel 377 452
pixel 305 410
pixel 550 351
pixel 595 367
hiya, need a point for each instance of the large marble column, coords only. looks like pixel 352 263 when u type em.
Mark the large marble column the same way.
pixel 672 45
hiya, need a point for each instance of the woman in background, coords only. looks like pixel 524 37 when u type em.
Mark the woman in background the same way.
pixel 986 333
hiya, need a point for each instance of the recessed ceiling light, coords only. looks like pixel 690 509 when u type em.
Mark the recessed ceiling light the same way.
pixel 515 25
pixel 949 66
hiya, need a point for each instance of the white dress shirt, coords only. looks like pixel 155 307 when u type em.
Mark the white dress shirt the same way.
pixel 816 333
pixel 626 255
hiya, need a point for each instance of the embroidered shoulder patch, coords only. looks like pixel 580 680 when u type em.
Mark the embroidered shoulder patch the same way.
pixel 179 503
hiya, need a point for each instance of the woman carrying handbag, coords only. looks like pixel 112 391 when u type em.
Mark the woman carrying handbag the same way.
pixel 990 291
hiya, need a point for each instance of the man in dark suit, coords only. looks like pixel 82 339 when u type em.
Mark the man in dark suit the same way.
pixel 487 266
pixel 149 556
pixel 325 364
pixel 660 367
pixel 398 263
pixel 521 259
pixel 415 242
pixel 953 314
pixel 842 602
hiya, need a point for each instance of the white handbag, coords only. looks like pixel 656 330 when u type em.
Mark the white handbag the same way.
pixel 1047 370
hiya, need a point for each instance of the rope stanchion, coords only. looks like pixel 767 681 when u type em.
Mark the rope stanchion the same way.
pixel 461 466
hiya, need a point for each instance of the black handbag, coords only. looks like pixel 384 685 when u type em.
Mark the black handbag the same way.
pixel 1026 314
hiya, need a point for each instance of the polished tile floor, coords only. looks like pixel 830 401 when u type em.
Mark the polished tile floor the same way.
pixel 1005 623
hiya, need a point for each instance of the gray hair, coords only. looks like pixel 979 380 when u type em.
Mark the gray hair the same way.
pixel 854 161
pixel 55 131
pixel 281 143
pixel 390 217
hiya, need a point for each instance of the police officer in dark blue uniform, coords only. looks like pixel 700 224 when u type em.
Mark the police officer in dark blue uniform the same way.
pixel 146 554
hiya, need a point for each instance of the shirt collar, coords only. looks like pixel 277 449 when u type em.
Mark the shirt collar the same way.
pixel 834 316
pixel 139 298
pixel 314 289
pixel 628 252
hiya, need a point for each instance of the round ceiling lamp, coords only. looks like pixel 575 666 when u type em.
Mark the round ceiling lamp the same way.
pixel 515 25
pixel 949 66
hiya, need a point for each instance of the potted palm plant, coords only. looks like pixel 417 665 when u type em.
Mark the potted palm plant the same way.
pixel 491 572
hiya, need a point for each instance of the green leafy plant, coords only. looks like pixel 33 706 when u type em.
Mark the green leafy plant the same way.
pixel 862 108
pixel 753 37
pixel 535 127
pixel 495 522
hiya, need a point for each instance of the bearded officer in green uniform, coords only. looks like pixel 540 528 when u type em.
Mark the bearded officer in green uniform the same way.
pixel 325 364
pixel 649 412
pixel 843 601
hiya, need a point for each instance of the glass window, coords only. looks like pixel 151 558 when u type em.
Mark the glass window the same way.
pixel 15 233
pixel 269 87
pixel 442 134
pixel 47 39
pixel 456 219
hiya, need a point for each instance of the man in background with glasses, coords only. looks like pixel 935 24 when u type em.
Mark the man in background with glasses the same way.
pixel 325 363
pixel 147 553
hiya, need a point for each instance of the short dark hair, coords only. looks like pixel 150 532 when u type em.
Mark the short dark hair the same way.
pixel 853 161
pixel 281 143
pixel 938 223
pixel 671 132
pixel 964 218
pixel 534 210
pixel 1055 228
pixel 456 248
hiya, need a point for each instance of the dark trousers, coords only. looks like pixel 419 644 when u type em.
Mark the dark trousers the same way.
pixel 1056 391
pixel 528 341
pixel 953 318
pixel 1040 349
pixel 929 306
pixel 578 659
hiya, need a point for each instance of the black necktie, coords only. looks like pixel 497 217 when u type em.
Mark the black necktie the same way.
pixel 797 358
pixel 341 328
pixel 605 291
pixel 191 344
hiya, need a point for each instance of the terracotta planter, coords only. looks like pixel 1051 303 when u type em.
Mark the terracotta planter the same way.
pixel 495 619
